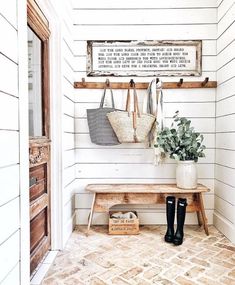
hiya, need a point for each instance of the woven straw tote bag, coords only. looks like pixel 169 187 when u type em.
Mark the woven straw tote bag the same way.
pixel 131 127
pixel 101 132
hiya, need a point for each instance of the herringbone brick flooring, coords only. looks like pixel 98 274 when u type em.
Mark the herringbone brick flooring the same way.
pixel 143 259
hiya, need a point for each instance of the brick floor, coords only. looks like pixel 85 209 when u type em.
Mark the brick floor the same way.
pixel 101 259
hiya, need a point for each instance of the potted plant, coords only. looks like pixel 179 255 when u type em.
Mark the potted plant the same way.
pixel 182 143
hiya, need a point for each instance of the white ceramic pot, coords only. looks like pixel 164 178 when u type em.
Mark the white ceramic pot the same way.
pixel 186 174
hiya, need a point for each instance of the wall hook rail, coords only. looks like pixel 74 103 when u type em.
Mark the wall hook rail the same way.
pixel 83 84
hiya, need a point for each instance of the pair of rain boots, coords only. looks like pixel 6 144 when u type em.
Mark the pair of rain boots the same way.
pixel 175 237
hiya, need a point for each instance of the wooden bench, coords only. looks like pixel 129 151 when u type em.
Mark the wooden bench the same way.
pixel 107 195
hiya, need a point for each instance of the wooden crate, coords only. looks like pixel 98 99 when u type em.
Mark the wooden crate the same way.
pixel 123 226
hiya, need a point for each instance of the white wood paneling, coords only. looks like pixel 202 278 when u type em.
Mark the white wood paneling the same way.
pixel 226 107
pixel 9 79
pixel 225 175
pixel 225 124
pixel 225 140
pixel 68 141
pixel 137 171
pixel 9 11
pixel 83 141
pixel 13 277
pixel 192 32
pixel 224 8
pixel 9 186
pixel 68 120
pixel 9 253
pixel 225 72
pixel 226 89
pixel 69 158
pixel 153 20
pixel 8 119
pixel 10 223
pixel 154 17
pixel 225 157
pixel 68 124
pixel 226 21
pixel 225 209
pixel 225 191
pixel 68 175
pixel 146 218
pixel 190 110
pixel 226 38
pixel 122 4
pixel 8 46
pixel 226 55
pixel 68 106
pixel 9 144
pixel 224 216
pixel 132 156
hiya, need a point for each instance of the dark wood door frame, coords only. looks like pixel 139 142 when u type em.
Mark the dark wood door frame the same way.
pixel 39 149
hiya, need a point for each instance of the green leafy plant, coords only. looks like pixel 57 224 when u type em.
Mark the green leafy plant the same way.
pixel 180 141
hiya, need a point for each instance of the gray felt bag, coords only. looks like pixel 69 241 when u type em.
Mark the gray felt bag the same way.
pixel 101 131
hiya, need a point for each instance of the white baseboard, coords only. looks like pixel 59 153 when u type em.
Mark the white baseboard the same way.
pixel 224 226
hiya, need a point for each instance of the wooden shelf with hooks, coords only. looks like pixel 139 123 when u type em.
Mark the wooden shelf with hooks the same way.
pixel 144 85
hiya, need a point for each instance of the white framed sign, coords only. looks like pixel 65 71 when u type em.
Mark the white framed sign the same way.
pixel 144 58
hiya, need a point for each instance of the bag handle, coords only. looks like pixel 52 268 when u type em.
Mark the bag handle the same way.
pixel 136 111
pixel 103 97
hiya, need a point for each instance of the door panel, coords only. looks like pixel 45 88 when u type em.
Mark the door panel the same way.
pixel 38 229
pixel 38 181
pixel 39 133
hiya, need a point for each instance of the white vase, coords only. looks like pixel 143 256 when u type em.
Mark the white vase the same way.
pixel 186 174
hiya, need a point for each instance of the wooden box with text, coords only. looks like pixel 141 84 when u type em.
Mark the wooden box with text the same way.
pixel 119 226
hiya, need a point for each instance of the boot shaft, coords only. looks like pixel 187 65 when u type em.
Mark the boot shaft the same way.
pixel 170 210
pixel 181 211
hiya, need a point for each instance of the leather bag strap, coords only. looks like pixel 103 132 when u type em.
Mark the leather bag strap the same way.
pixel 103 97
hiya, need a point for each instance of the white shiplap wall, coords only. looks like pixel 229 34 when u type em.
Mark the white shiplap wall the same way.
pixel 68 105
pixel 224 216
pixel 9 146
pixel 151 20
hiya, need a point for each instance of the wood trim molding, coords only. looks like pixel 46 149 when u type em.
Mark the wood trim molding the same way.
pixel 37 21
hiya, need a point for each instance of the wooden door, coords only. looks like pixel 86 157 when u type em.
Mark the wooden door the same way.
pixel 39 133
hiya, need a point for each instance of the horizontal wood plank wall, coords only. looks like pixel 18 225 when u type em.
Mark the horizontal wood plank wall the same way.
pixel 68 106
pixel 128 163
pixel 9 146
pixel 224 216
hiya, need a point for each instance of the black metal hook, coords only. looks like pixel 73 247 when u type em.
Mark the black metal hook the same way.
pixel 180 82
pixel 205 81
pixel 107 82
pixel 83 82
pixel 132 83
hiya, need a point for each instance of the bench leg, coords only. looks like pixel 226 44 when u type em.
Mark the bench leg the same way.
pixel 199 218
pixel 203 214
pixel 91 214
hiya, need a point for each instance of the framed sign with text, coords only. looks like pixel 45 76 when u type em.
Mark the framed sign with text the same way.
pixel 144 58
